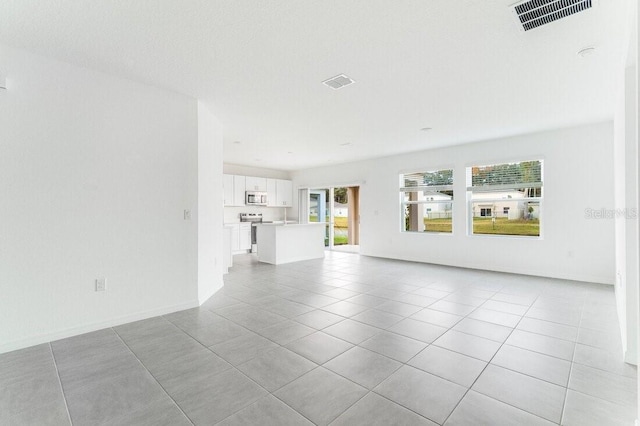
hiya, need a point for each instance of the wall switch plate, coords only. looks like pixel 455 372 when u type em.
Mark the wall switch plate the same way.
pixel 101 284
pixel 187 215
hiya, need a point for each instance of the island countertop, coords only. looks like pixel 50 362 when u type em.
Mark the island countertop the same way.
pixel 280 243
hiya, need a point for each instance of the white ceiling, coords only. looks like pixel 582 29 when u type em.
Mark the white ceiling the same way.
pixel 461 67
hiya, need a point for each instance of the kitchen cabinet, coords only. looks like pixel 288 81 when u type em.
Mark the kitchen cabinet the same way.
pixel 279 191
pixel 284 193
pixel 227 184
pixel 235 237
pixel 240 237
pixel 271 193
pixel 238 190
pixel 233 190
pixel 244 242
pixel 227 253
pixel 255 184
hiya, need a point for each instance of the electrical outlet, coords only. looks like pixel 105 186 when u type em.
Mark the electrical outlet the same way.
pixel 101 284
pixel 187 215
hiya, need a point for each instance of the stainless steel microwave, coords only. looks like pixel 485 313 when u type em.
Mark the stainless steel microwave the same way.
pixel 254 198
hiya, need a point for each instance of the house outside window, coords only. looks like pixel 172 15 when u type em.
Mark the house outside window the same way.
pixel 505 199
pixel 426 201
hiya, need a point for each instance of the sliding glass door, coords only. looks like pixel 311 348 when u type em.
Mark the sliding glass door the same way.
pixel 338 208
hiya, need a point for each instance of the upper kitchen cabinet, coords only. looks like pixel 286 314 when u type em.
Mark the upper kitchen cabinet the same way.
pixel 227 184
pixel 284 193
pixel 256 184
pixel 271 193
pixel 239 183
pixel 234 190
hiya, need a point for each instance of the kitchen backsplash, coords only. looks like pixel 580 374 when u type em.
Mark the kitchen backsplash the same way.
pixel 232 214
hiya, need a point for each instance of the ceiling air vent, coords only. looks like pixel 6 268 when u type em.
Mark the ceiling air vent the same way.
pixel 338 81
pixel 536 13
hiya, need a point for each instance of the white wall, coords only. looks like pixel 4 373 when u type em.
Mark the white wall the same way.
pixel 626 226
pixel 95 173
pixel 626 200
pixel 210 201
pixel 235 169
pixel 232 214
pixel 578 174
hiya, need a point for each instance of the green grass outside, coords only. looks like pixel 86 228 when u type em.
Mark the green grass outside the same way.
pixel 503 226
pixel 438 225
pixel 339 223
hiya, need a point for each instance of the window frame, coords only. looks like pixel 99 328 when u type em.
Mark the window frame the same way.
pixel 403 190
pixel 539 200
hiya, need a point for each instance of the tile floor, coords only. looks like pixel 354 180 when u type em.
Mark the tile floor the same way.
pixel 348 340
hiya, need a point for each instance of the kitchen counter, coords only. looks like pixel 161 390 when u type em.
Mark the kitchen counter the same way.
pixel 280 243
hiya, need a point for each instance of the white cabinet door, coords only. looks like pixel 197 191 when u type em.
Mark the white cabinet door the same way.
pixel 238 190
pixel 227 184
pixel 235 237
pixel 284 193
pixel 245 236
pixel 256 184
pixel 271 193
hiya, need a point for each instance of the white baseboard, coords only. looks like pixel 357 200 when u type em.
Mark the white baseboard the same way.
pixel 210 293
pixel 87 328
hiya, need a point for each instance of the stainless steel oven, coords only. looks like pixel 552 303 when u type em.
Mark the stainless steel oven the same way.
pixel 254 218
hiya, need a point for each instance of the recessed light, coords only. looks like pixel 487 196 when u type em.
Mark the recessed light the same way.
pixel 587 51
pixel 289 152
pixel 257 159
pixel 425 129
pixel 346 144
pixel 237 142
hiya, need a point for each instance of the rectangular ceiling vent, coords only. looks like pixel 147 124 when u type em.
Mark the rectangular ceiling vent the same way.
pixel 536 13
pixel 338 82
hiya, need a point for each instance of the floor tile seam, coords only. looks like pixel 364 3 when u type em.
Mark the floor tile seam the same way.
pixel 512 406
pixel 380 330
pixel 548 320
pixel 321 364
pixel 605 371
pixel 155 379
pixel 362 386
pixel 413 411
pixel 485 368
pixel 502 312
pixel 547 335
pixel 565 387
pixel 64 396
pixel 272 393
pixel 371 325
pixel 453 328
pixel 208 347
pixel 537 352
pixel 617 404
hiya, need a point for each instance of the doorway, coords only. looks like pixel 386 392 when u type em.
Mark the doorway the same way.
pixel 339 208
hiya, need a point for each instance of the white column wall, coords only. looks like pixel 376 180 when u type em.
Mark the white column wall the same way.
pixel 95 173
pixel 210 203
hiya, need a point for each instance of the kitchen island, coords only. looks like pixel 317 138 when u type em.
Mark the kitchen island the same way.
pixel 284 243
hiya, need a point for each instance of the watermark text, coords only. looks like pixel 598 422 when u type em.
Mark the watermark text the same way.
pixel 622 213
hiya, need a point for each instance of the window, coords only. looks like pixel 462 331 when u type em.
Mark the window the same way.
pixel 427 201
pixel 515 189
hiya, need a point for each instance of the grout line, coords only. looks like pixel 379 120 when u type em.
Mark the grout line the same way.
pixel 151 374
pixel 64 397
pixel 573 357
pixel 487 365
